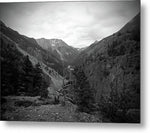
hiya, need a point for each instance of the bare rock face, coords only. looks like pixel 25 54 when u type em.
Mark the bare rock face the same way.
pixel 59 48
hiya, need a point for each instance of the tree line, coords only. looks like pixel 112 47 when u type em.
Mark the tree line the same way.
pixel 19 76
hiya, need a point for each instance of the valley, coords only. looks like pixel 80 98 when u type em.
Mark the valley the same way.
pixel 48 80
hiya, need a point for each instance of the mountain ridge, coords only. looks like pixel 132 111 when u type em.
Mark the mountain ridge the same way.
pixel 59 48
pixel 31 46
pixel 114 63
pixel 35 53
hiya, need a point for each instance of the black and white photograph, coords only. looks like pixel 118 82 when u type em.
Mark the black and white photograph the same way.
pixel 70 61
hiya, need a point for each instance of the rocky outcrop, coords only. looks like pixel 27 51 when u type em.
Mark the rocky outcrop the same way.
pixel 59 48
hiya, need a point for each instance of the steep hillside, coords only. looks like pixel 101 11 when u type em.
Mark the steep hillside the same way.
pixel 21 48
pixel 112 66
pixel 19 76
pixel 30 46
pixel 59 48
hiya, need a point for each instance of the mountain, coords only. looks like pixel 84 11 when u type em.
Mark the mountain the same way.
pixel 112 66
pixel 59 48
pixel 18 47
pixel 30 46
pixel 19 76
pixel 81 49
pixel 130 31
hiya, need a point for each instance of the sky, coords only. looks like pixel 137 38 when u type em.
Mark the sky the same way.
pixel 77 23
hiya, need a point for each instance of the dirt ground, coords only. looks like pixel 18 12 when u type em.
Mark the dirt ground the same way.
pixel 21 108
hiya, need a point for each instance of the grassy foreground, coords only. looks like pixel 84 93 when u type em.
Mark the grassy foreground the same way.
pixel 24 108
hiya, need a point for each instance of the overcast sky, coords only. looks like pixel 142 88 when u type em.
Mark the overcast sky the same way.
pixel 77 23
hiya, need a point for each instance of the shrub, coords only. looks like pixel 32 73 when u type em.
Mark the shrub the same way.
pixel 23 103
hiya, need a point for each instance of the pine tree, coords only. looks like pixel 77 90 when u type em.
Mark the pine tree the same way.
pixel 28 75
pixel 83 93
pixel 37 82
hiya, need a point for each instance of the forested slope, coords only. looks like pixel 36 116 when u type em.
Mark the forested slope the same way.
pixel 112 67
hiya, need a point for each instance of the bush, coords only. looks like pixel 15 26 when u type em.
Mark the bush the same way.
pixel 3 100
pixel 23 103
pixel 56 100
pixel 133 115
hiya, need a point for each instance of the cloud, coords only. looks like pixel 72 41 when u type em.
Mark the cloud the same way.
pixel 78 23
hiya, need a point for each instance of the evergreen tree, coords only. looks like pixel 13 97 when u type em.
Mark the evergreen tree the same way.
pixel 19 75
pixel 83 93
pixel 37 82
pixel 28 75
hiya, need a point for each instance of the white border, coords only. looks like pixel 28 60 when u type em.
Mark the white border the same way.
pixel 144 127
